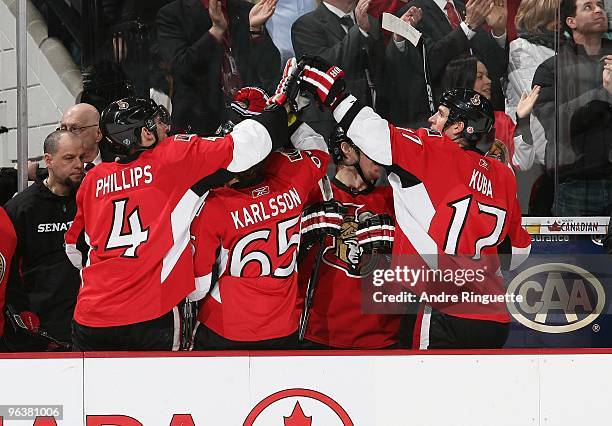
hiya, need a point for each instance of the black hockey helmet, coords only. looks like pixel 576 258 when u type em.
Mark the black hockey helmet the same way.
pixel 471 108
pixel 336 137
pixel 122 120
pixel 334 142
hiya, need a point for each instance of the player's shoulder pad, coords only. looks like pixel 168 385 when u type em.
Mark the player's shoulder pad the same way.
pixel 293 154
pixel 184 138
pixel 432 133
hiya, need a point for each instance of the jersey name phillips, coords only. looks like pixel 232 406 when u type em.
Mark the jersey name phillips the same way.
pixel 124 179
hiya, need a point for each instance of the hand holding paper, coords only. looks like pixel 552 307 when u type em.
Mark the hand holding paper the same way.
pixel 403 27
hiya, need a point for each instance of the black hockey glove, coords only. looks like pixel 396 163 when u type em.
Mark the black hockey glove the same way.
pixel 288 89
pixel 323 218
pixel 375 234
pixel 325 81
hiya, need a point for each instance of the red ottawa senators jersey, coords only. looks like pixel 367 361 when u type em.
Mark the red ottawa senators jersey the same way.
pixel 335 315
pixel 453 207
pixel 136 214
pixel 246 242
pixel 8 244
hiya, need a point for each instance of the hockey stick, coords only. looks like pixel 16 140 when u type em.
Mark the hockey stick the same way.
pixel 189 315
pixel 312 283
pixel 17 323
pixel 327 193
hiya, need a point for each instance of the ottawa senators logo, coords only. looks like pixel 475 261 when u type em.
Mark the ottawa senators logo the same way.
pixel 344 253
pixel 499 151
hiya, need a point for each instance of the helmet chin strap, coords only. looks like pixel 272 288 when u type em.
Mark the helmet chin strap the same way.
pixel 369 183
pixel 141 147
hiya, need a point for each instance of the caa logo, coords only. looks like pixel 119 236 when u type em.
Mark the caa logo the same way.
pixel 556 298
pixel 298 407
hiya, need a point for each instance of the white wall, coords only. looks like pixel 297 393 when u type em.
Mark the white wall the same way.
pixel 53 82
pixel 336 388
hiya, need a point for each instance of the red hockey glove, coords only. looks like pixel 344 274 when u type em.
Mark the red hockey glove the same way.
pixel 325 81
pixel 29 321
pixel 288 89
pixel 322 219
pixel 249 101
pixel 376 234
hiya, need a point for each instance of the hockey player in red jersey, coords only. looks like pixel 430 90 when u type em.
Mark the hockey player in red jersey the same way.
pixel 135 216
pixel 450 201
pixel 8 243
pixel 246 239
pixel 336 319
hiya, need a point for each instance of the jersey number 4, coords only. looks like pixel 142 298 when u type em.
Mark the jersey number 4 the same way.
pixel 133 237
pixel 285 242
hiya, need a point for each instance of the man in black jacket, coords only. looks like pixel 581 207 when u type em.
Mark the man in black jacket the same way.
pixel 410 106
pixel 441 17
pixel 42 279
pixel 575 109
pixel 343 34
pixel 215 47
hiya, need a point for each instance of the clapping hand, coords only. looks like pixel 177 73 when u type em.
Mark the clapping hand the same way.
pixel 260 13
pixel 413 17
pixel 476 12
pixel 528 100
pixel 361 15
pixel 607 73
pixel 498 17
pixel 219 23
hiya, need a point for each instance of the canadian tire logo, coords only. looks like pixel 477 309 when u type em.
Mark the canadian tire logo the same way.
pixel 556 298
pixel 298 407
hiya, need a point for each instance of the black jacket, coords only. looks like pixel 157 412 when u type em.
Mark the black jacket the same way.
pixel 582 110
pixel 42 279
pixel 320 33
pixel 195 59
pixel 435 25
pixel 8 184
pixel 409 107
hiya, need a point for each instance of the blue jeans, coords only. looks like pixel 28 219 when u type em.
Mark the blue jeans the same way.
pixel 583 198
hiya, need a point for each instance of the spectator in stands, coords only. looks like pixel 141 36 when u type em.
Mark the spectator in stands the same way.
pixel 103 83
pixel 42 279
pixel 344 35
pixel 468 72
pixel 279 25
pixel 83 120
pixel 440 17
pixel 214 47
pixel 536 21
pixel 411 106
pixel 578 111
pixel 133 38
